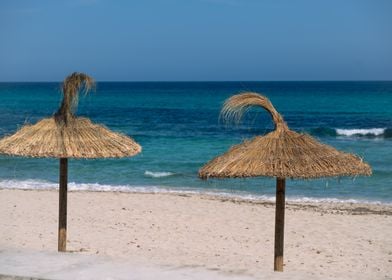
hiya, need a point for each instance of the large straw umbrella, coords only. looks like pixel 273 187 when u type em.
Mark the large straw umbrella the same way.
pixel 66 136
pixel 281 153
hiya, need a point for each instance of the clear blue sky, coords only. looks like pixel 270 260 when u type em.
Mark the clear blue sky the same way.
pixel 196 40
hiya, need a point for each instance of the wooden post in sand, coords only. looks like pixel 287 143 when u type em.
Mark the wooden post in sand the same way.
pixel 62 238
pixel 279 223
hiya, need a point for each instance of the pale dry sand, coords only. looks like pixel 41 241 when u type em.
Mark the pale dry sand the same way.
pixel 322 241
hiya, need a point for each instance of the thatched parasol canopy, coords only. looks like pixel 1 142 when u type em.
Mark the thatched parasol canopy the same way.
pixel 281 153
pixel 80 138
pixel 66 136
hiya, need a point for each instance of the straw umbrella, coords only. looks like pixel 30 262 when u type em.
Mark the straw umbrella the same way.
pixel 66 136
pixel 281 153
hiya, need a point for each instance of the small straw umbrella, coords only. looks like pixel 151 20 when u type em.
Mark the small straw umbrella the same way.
pixel 281 153
pixel 66 136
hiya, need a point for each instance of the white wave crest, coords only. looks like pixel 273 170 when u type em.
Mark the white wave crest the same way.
pixel 95 187
pixel 157 174
pixel 363 132
pixel 29 184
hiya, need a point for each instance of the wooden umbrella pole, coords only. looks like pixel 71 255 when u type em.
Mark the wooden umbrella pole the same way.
pixel 279 224
pixel 62 238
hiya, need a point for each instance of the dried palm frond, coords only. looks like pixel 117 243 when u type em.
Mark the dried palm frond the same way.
pixel 72 85
pixel 236 106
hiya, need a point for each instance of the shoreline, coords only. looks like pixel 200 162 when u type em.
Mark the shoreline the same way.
pixel 235 236
pixel 219 194
pixel 337 207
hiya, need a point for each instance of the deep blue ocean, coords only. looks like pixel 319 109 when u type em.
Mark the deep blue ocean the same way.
pixel 177 124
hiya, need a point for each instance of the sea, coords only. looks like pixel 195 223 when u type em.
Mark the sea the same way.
pixel 178 126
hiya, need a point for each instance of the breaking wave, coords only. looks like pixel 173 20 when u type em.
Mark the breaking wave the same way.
pixel 354 132
pixel 31 184
pixel 158 174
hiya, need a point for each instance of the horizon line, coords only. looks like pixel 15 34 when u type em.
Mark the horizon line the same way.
pixel 204 81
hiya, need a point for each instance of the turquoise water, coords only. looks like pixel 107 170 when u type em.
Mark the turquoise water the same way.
pixel 177 125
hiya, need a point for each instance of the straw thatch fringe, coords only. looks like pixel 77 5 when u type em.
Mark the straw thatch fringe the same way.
pixel 235 107
pixel 291 155
pixel 72 85
pixel 79 139
pixel 281 153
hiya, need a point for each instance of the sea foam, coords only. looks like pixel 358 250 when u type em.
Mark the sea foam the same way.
pixel 31 184
pixel 385 132
pixel 157 174
pixel 361 132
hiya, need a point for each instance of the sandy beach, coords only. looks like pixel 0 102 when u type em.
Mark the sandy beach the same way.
pixel 322 241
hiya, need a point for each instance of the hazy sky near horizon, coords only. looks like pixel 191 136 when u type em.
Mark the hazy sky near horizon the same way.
pixel 196 40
